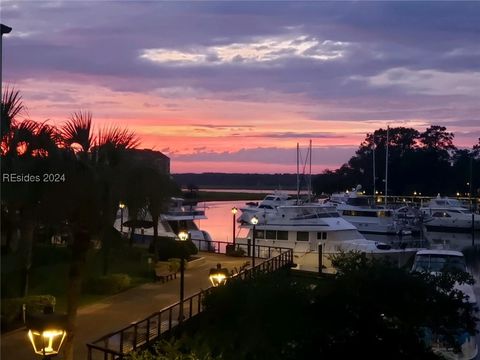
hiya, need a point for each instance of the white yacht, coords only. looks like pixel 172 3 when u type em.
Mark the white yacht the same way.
pixel 362 212
pixel 437 262
pixel 448 215
pixel 268 205
pixel 315 232
pixel 179 216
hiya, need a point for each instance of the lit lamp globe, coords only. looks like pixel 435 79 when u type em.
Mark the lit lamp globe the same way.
pixel 254 220
pixel 183 235
pixel 121 205
pixel 218 276
pixel 47 333
pixel 234 210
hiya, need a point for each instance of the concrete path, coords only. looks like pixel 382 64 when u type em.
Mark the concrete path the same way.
pixel 120 310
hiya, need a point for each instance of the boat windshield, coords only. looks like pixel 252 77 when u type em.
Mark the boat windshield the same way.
pixel 439 263
pixel 358 201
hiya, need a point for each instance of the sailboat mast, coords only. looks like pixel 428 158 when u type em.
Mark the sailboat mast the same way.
pixel 373 152
pixel 310 175
pixel 386 166
pixel 298 174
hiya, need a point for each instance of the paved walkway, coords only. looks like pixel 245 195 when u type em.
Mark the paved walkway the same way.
pixel 120 310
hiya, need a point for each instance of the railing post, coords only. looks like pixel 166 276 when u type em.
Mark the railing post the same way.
pixel 170 319
pixel 249 242
pixel 199 301
pixel 320 258
pixel 159 324
pixel 135 330
pixel 121 342
pixel 269 252
pixel 148 330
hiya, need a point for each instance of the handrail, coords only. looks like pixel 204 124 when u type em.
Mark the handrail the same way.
pixel 117 344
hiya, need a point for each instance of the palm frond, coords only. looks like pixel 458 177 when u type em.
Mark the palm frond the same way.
pixel 78 130
pixel 118 138
pixel 11 107
pixel 47 139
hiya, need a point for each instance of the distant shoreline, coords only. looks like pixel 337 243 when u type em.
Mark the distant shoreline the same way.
pixel 206 196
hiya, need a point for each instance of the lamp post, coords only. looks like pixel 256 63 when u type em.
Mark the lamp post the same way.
pixel 47 333
pixel 254 222
pixel 182 236
pixel 121 206
pixel 218 276
pixel 4 29
pixel 234 212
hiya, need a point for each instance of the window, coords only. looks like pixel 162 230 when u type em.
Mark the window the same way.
pixel 270 234
pixel 302 236
pixel 321 235
pixel 439 263
pixel 259 234
pixel 282 235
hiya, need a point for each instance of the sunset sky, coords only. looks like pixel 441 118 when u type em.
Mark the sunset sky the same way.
pixel 233 86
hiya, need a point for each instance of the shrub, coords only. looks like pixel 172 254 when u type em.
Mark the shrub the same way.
pixel 109 284
pixel 170 248
pixel 11 311
pixel 231 251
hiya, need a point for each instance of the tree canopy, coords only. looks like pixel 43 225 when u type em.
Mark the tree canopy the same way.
pixel 424 162
pixel 369 309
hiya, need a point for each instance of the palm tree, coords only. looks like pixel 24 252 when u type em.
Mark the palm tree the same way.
pixel 27 147
pixel 91 196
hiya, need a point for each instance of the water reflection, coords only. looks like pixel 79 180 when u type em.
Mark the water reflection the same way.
pixel 219 222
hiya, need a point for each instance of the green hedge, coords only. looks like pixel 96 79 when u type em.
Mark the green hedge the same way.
pixel 169 248
pixel 11 312
pixel 109 284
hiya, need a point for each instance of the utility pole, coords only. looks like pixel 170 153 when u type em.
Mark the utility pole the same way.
pixel 472 208
pixel 4 30
pixel 386 166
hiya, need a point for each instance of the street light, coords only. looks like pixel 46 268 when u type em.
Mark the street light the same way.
pixel 234 212
pixel 218 276
pixel 254 222
pixel 4 29
pixel 121 205
pixel 47 333
pixel 182 236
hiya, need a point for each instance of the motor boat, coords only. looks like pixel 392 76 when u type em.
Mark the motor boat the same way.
pixel 180 216
pixel 368 217
pixel 443 214
pixel 436 262
pixel 315 232
pixel 268 205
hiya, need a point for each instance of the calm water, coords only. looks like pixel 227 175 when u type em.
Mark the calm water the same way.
pixel 220 219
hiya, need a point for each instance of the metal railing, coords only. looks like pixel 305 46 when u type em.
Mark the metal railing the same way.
pixel 118 344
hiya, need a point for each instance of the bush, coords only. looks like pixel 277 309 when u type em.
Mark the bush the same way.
pixel 46 255
pixel 231 251
pixel 169 248
pixel 109 284
pixel 11 312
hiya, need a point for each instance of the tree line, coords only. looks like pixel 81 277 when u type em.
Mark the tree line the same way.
pixel 426 163
pixel 71 179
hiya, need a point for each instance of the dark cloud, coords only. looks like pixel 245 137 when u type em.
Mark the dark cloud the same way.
pixel 271 155
pixel 102 41
pixel 294 135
